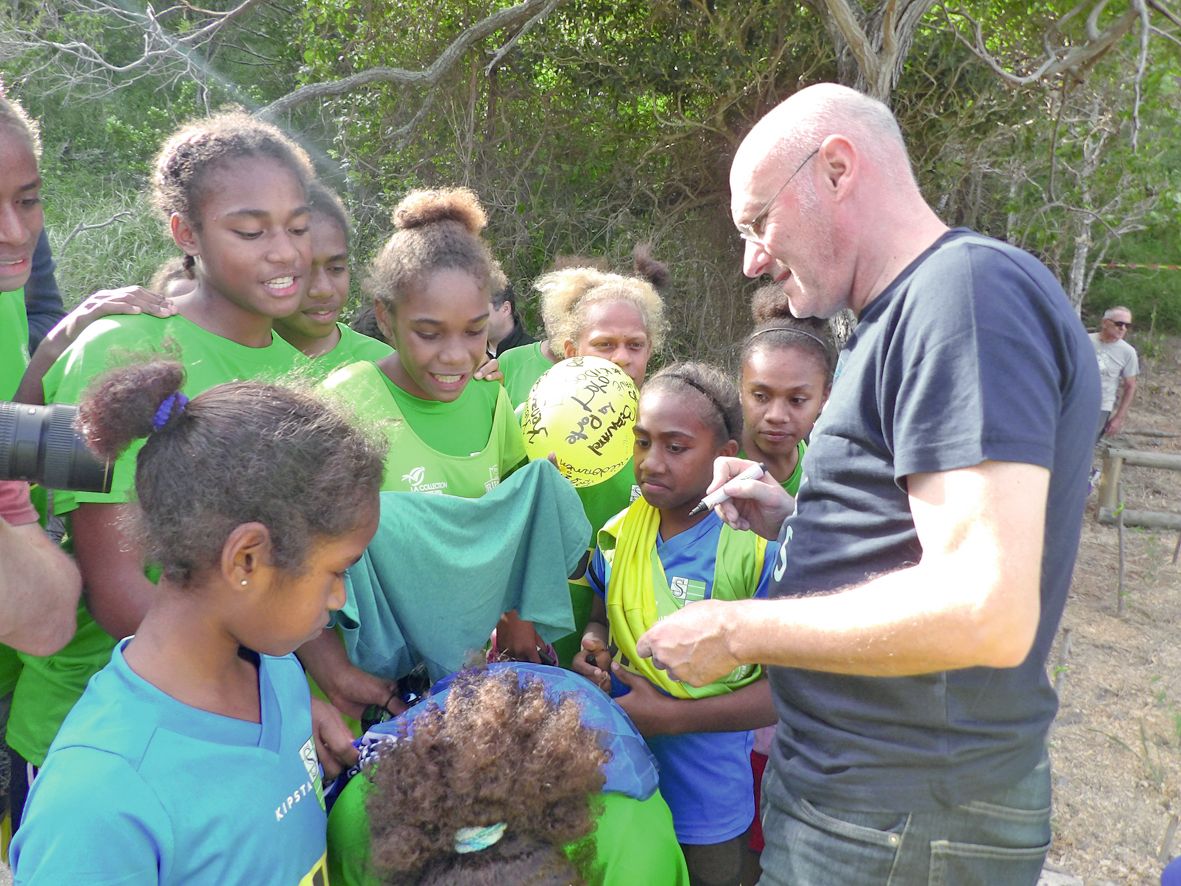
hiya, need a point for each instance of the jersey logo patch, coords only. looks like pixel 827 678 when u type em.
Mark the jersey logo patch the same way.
pixel 311 763
pixel 415 477
pixel 781 561
pixel 688 590
pixel 493 478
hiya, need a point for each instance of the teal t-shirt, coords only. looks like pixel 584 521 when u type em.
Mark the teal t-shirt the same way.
pixel 142 788
pixel 49 686
pixel 521 367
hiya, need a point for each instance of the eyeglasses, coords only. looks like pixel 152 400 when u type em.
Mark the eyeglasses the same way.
pixel 751 231
pixel 1122 324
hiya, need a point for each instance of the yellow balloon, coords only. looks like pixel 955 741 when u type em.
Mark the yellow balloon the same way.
pixel 583 410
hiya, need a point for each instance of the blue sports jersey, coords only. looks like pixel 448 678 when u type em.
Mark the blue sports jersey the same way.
pixel 141 788
pixel 704 776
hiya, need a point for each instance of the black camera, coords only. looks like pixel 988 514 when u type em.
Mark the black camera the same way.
pixel 40 444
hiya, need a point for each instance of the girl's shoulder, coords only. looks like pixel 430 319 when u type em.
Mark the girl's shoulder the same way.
pixel 101 346
pixel 361 374
pixel 359 346
pixel 143 330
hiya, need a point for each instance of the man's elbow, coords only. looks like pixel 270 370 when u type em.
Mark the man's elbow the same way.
pixel 51 636
pixel 61 618
pixel 48 633
pixel 1006 629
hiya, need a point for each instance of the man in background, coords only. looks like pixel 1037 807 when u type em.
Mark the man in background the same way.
pixel 1117 362
pixel 504 323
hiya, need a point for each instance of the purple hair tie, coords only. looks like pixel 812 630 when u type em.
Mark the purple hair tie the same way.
pixel 172 403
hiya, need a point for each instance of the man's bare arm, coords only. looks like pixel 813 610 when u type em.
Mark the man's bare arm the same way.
pixel 973 599
pixel 39 587
pixel 1115 424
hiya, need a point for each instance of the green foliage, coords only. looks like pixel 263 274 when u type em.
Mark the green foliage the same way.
pixel 606 124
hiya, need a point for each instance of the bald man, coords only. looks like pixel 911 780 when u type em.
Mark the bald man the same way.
pixel 924 570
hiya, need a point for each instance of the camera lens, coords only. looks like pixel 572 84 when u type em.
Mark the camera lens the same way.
pixel 40 444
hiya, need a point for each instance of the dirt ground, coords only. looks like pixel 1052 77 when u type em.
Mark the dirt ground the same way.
pixel 1116 745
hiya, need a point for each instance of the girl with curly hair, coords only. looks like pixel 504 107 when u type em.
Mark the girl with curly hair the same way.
pixel 516 773
pixel 654 558
pixel 588 311
pixel 190 757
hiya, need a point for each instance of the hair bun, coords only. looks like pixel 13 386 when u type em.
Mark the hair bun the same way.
pixel 427 207
pixel 769 304
pixel 120 405
pixel 655 272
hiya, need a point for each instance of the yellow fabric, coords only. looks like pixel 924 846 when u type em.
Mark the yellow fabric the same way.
pixel 639 595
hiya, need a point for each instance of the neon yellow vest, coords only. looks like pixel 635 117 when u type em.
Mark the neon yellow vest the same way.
pixel 638 595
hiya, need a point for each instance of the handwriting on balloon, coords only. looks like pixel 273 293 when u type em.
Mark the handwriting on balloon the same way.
pixel 582 411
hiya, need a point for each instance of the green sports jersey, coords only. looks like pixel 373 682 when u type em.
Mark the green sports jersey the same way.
pixel 463 448
pixel 49 687
pixel 14 341
pixel 353 347
pixel 792 483
pixel 209 360
pixel 634 842
pixel 522 367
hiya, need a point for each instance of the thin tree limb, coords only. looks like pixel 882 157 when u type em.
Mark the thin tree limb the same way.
pixel 521 32
pixel 513 16
pixel 1070 60
pixel 82 226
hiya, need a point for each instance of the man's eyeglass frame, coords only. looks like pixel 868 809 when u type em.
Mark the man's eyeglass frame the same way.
pixel 749 231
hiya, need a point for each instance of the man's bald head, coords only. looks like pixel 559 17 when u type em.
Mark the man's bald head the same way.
pixel 802 121
pixel 823 193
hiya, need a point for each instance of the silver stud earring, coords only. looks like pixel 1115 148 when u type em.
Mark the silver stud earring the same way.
pixel 244 582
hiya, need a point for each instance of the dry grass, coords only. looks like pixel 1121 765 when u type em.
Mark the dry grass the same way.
pixel 1116 745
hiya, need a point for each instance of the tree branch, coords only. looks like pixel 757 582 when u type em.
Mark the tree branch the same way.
pixel 524 14
pixel 82 226
pixel 1070 59
pixel 521 32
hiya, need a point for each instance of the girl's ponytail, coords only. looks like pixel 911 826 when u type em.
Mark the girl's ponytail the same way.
pixel 123 406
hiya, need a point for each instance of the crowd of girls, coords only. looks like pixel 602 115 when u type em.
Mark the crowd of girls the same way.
pixel 252 434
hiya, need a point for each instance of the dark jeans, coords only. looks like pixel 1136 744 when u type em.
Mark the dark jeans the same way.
pixel 999 838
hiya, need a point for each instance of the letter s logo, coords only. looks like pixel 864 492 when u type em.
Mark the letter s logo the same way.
pixel 781 563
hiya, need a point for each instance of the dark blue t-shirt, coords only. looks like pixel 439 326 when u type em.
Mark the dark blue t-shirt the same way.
pixel 973 353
